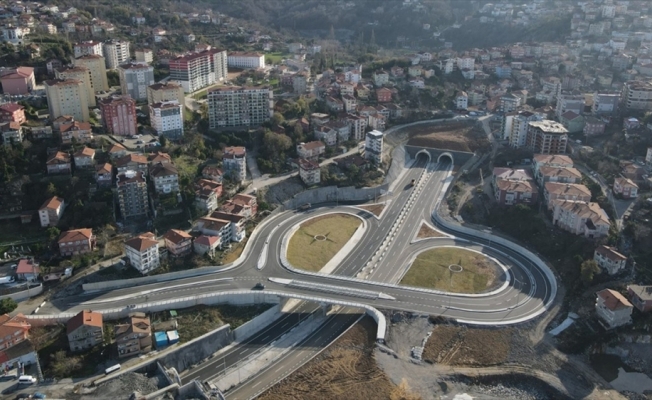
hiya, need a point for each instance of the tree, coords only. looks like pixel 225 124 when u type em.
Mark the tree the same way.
pixel 53 232
pixel 589 269
pixel 7 305
pixel 277 119
pixel 51 190
pixel 163 140
pixel 62 365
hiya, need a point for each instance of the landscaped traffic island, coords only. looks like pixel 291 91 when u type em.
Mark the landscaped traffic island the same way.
pixel 452 269
pixel 318 240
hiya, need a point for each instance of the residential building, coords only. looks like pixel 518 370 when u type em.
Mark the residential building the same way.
pixel 547 137
pixel 299 83
pixel 17 80
pixel 238 231
pixel 58 163
pixel 206 245
pixel 572 122
pixel 116 52
pixel 558 174
pixel 641 297
pixel 625 187
pixel 245 60
pixel 207 193
pixel 51 211
pixel 515 127
pixel 605 103
pixel 12 112
pixel 40 132
pixel 79 73
pixel 239 106
pixel 78 132
pixel 380 78
pixel 311 150
pixel 462 101
pixel 510 192
pixel 104 175
pixel 159 157
pixel 95 63
pixel 241 204
pixel 234 163
pixel 165 177
pixel 358 126
pixel 384 95
pixel 374 146
pixel 84 158
pixel 67 97
pixel 550 160
pixel 132 194
pixel 135 78
pixel 167 119
pixel 89 47
pixel 309 172
pixel 569 102
pixel 342 130
pixel 166 91
pixel 85 330
pixel 13 331
pixel 637 95
pixel 119 115
pixel 613 309
pixel 144 55
pixel 27 270
pixel 142 252
pixel 581 218
pixel 593 126
pixel 117 151
pixel 12 133
pixel 177 242
pixel 326 134
pixel 565 191
pixel 212 173
pixel 609 259
pixel 509 103
pixel 200 69
pixel 132 162
pixel 76 241
pixel 134 337
pixel 214 227
pixel 350 103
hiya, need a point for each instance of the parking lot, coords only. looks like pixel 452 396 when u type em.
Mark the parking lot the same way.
pixel 138 142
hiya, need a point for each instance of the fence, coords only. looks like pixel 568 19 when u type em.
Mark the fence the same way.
pixel 25 294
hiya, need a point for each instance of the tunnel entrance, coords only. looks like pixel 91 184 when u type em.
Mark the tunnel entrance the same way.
pixel 445 158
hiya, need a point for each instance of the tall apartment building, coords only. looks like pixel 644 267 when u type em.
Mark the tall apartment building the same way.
pixel 199 69
pixel 116 52
pixel 132 194
pixel 81 74
pixel 167 119
pixel 516 127
pixel 373 146
pixel 547 137
pixel 245 60
pixel 95 63
pixel 143 252
pixel 234 162
pixel 637 95
pixel 119 115
pixel 144 55
pixel 67 97
pixel 605 103
pixel 90 47
pixel 165 91
pixel 239 106
pixel 569 102
pixel 135 78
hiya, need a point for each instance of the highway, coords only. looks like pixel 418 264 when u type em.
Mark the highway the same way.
pixel 527 292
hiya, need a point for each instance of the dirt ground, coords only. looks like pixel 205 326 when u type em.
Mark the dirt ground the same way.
pixel 464 346
pixel 457 136
pixel 376 209
pixel 427 232
pixel 346 370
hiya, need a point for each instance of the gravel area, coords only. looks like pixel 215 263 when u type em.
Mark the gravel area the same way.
pixel 124 386
pixel 284 190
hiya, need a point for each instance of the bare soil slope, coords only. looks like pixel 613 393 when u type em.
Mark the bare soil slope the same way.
pixel 456 136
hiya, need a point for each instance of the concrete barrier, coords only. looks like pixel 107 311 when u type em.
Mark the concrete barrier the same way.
pixel 333 194
pixel 197 349
pixel 25 294
pixel 246 330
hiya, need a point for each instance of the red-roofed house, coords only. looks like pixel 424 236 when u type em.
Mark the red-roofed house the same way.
pixel 12 112
pixel 85 330
pixel 625 187
pixel 142 251
pixel 613 308
pixel 27 270
pixel 76 241
pixel 384 95
pixel 18 81
pixel 13 330
pixel 51 211
pixel 207 193
pixel 177 242
pixel 206 245
pixel 248 203
pixel 104 175
pixel 609 259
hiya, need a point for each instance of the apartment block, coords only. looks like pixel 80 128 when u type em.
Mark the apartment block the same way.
pixel 166 91
pixel 637 95
pixel 309 172
pixel 374 146
pixel 76 241
pixel 245 60
pixel 199 69
pixel 234 163
pixel 547 137
pixel 51 211
pixel 144 55
pixel 79 73
pixel 96 64
pixel 85 330
pixel 613 309
pixel 239 106
pixel 609 259
pixel 67 97
pixel 135 78
pixel 177 242
pixel 167 119
pixel 133 337
pixel 165 177
pixel 90 47
pixel 116 52
pixel 142 252
pixel 119 115
pixel 132 194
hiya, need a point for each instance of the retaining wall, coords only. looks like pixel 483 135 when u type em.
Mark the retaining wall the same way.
pixel 25 294
pixel 246 330
pixel 197 349
pixel 333 194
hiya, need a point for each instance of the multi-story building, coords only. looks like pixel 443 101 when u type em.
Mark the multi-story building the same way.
pixel 374 146
pixel 565 191
pixel 239 106
pixel 358 125
pixel 509 103
pixel 569 102
pixel 51 211
pixel 13 330
pixel 384 95
pixel 547 137
pixel 116 52
pixel 67 97
pixel 79 132
pixel 199 69
pixel 605 103
pixel 165 177
pixel 144 55
pixel 76 241
pixel 572 121
pixel 12 112
pixel 85 330
pixel 245 60
pixel 637 95
pixel 142 252
pixel 641 297
pixel 206 245
pixel 609 259
pixel 167 91
pixel 177 242
pixel 311 150
pixel 593 126
pixel 309 172
pixel 132 194
pixel 515 127
pixel 135 78
pixel 234 163
pixel 134 337
pixel 625 187
pixel 95 63
pixel 220 228
pixel 79 73
pixel 380 78
pixel 90 47
pixel 12 133
pixel 104 175
pixel 58 163
pixel 167 119
pixel 119 115
pixel 613 309
pixel 581 218
pixel 238 231
pixel 299 83
pixel 207 193
pixel 17 81
pixel 241 204
pixel 462 101
pixel 511 192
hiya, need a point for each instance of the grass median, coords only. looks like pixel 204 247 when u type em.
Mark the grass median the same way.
pixel 318 240
pixel 431 270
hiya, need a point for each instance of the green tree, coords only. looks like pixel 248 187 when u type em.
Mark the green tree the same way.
pixel 53 232
pixel 277 119
pixel 113 78
pixel 589 269
pixel 163 140
pixel 62 365
pixel 7 305
pixel 51 190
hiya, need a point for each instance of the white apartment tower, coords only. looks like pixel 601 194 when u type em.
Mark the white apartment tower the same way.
pixel 116 52
pixel 373 146
pixel 167 119
pixel 239 106
pixel 86 48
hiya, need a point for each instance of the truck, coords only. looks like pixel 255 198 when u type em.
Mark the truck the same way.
pixel 304 207
pixel 7 279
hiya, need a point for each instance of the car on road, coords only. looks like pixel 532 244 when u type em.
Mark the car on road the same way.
pixel 259 286
pixel 139 142
pixel 38 395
